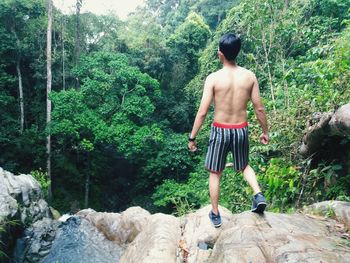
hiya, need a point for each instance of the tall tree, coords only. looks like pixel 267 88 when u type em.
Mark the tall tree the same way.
pixel 48 90
pixel 19 76
pixel 20 90
pixel 63 53
pixel 77 37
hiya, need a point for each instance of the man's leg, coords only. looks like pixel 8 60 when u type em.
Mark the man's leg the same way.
pixel 214 190
pixel 259 201
pixel 250 177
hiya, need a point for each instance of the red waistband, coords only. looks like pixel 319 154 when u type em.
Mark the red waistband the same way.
pixel 230 126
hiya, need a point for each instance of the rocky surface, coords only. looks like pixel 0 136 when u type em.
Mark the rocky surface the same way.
pixel 21 198
pixel 88 236
pixel 319 234
pixel 77 240
pixel 249 237
pixel 119 228
pixel 135 236
pixel 158 241
pixel 36 242
pixel 334 209
pixel 21 202
pixel 325 126
pixel 278 238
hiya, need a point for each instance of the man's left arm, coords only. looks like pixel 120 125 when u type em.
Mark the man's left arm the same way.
pixel 208 94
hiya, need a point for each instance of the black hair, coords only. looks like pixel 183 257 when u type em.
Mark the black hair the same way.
pixel 229 45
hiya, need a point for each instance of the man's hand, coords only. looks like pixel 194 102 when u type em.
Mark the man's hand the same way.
pixel 192 146
pixel 264 138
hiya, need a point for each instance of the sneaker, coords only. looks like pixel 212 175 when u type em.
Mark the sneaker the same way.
pixel 215 219
pixel 259 203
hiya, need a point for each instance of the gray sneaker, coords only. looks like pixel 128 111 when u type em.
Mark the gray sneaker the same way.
pixel 215 219
pixel 259 203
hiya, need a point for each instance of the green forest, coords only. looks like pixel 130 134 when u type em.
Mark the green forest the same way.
pixel 124 95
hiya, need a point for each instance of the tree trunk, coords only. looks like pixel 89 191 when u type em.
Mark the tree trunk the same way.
pixel 63 55
pixel 77 38
pixel 87 184
pixel 19 75
pixel 77 32
pixel 286 3
pixel 267 45
pixel 266 53
pixel 285 83
pixel 20 90
pixel 48 90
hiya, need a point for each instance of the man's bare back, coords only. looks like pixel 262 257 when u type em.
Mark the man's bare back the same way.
pixel 232 89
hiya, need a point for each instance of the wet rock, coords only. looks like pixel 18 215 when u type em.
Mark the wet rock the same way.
pixel 78 240
pixel 36 241
pixel 88 236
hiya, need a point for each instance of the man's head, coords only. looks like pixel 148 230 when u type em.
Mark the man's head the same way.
pixel 229 47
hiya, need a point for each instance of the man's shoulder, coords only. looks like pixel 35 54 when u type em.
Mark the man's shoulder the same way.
pixel 244 73
pixel 212 77
pixel 247 73
pixel 215 75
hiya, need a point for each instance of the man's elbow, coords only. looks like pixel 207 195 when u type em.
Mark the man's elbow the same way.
pixel 202 114
pixel 260 110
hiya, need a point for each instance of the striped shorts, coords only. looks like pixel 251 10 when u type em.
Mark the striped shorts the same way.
pixel 225 138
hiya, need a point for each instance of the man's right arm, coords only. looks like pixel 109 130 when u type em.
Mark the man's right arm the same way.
pixel 207 98
pixel 260 111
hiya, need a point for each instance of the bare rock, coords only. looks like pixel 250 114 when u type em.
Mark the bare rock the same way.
pixel 249 237
pixel 322 126
pixel 314 134
pixel 135 236
pixel 199 234
pixel 21 198
pixel 277 238
pixel 120 228
pixel 340 210
pixel 340 121
pixel 157 243
pixel 21 201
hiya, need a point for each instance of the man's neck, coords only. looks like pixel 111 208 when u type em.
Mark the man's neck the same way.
pixel 229 64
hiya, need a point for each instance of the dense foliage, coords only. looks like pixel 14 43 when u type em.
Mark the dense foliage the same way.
pixel 125 94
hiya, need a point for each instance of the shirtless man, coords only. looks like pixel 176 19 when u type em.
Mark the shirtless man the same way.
pixel 231 88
